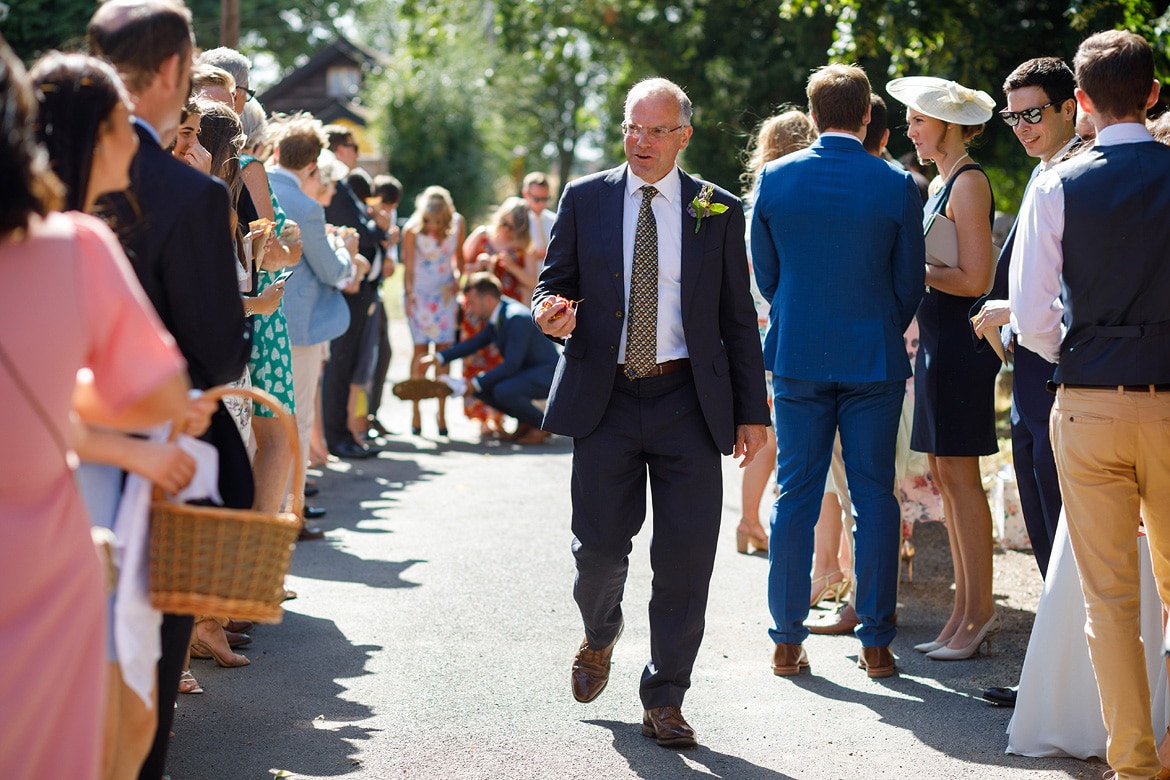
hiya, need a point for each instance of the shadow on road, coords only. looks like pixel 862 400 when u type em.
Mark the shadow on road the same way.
pixel 288 713
pixel 651 762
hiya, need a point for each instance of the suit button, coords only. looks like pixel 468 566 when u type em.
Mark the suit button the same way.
pixel 612 349
pixel 618 314
pixel 618 275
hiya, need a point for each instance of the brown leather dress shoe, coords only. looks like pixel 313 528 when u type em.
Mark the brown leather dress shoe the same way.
pixel 534 436
pixel 841 623
pixel 591 669
pixel 876 661
pixel 667 726
pixel 788 659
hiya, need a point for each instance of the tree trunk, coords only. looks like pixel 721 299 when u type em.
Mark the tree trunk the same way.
pixel 229 24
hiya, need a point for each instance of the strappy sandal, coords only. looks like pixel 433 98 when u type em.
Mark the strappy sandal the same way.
pixel 188 683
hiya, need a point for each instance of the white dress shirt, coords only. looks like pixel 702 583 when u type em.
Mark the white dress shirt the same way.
pixel 1043 167
pixel 667 206
pixel 540 227
pixel 1034 282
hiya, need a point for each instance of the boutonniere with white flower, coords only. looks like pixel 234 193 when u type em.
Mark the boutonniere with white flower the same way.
pixel 702 207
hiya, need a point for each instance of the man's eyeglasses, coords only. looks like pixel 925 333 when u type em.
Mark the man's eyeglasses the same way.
pixel 251 92
pixel 656 133
pixel 1029 115
pixel 538 198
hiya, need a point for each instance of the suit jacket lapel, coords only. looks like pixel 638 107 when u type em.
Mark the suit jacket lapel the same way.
pixel 611 208
pixel 692 242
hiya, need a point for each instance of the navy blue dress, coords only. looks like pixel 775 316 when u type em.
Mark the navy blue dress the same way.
pixel 954 386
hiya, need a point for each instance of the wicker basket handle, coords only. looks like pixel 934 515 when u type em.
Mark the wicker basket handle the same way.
pixel 296 499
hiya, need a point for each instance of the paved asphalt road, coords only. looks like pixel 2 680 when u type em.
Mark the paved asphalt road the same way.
pixel 435 627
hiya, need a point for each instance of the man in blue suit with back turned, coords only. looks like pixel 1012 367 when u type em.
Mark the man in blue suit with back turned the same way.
pixel 837 248
pixel 661 372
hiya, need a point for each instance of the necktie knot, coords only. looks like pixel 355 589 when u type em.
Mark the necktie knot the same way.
pixel 648 193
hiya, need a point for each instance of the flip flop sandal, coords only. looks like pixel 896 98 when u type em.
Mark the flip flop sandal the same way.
pixel 188 683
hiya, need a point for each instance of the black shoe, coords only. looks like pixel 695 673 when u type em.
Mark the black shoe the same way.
pixel 314 512
pixel 311 489
pixel 351 450
pixel 1001 697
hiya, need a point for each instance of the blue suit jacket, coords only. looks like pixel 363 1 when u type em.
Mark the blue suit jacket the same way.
pixel 313 305
pixel 837 250
pixel 520 342
pixel 584 261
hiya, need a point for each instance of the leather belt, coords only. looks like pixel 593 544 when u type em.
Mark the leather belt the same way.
pixel 1126 388
pixel 662 369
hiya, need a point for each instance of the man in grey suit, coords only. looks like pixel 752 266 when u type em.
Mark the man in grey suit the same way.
pixel 661 372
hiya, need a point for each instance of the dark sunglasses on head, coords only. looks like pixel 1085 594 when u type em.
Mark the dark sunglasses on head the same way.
pixel 1029 115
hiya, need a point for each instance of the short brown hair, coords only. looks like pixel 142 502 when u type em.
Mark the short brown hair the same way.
pixel 838 97
pixel 299 141
pixel 137 36
pixel 338 135
pixel 484 283
pixel 1116 70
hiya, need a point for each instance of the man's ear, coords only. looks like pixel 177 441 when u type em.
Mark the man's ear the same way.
pixel 169 72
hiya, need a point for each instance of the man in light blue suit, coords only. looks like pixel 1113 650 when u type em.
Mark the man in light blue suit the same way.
pixel 313 304
pixel 837 247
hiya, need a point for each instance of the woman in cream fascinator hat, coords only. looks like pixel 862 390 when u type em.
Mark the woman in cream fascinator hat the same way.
pixel 954 414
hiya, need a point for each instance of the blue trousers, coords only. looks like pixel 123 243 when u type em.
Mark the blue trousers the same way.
pixel 808 415
pixel 1032 452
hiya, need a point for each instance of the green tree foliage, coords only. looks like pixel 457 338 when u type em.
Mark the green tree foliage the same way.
pixel 738 60
pixel 554 74
pixel 437 121
pixel 290 32
pixel 978 44
pixel 33 27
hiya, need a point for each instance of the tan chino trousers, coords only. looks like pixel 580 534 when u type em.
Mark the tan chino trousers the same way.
pixel 1112 450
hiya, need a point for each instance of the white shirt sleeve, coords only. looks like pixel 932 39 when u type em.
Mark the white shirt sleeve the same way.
pixel 1034 282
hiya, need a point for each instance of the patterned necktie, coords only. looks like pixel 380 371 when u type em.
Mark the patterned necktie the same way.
pixel 642 327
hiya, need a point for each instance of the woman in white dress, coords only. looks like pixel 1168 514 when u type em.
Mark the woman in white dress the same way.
pixel 1058 709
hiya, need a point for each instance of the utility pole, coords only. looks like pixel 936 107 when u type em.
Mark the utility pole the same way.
pixel 229 24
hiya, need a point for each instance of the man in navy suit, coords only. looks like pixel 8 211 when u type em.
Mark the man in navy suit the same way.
pixel 838 251
pixel 1042 112
pixel 661 372
pixel 529 359
pixel 173 223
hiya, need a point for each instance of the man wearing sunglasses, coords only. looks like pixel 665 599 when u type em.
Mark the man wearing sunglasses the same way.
pixel 1041 111
pixel 537 194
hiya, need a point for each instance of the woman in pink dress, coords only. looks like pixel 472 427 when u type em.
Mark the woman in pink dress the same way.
pixel 52 617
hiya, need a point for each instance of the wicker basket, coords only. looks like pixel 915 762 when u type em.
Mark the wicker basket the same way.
pixel 231 562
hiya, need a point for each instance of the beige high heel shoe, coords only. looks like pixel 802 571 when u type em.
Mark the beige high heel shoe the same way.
pixel 984 637
pixel 747 534
pixel 907 557
pixel 838 590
